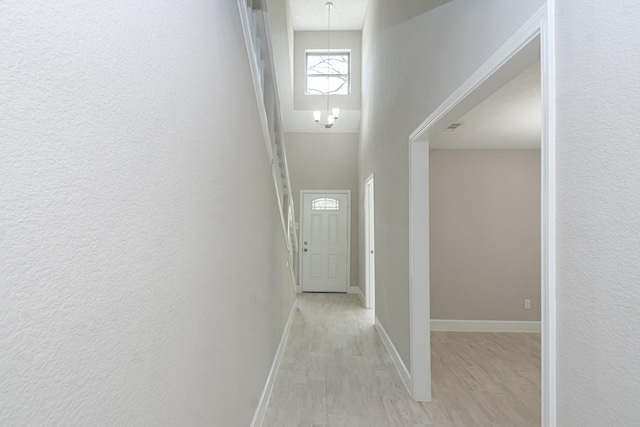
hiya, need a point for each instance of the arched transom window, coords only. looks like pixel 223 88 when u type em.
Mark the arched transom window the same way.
pixel 325 204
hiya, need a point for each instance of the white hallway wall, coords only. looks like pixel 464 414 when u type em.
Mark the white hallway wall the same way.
pixel 598 220
pixel 598 178
pixel 142 263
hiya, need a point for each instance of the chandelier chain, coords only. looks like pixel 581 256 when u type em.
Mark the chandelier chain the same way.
pixel 332 114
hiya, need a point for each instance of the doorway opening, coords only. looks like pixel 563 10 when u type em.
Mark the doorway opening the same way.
pixel 485 258
pixel 369 244
pixel 535 36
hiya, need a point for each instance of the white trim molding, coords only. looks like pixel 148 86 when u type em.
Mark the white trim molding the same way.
pixel 539 30
pixel 261 410
pixel 548 210
pixel 395 356
pixel 446 325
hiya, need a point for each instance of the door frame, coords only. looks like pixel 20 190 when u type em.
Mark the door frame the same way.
pixel 301 228
pixel 369 243
pixel 539 27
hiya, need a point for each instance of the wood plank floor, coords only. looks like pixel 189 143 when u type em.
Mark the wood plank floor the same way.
pixel 336 372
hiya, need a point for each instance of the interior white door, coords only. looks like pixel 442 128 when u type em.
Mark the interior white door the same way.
pixel 369 243
pixel 325 242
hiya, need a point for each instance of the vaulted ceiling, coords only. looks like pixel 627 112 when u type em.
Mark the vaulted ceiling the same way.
pixel 311 15
pixel 510 118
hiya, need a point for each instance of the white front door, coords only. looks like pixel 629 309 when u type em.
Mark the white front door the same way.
pixel 325 241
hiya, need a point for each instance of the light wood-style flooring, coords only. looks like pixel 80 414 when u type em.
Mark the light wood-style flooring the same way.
pixel 336 372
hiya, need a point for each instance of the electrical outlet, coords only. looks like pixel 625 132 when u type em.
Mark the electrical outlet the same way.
pixel 527 304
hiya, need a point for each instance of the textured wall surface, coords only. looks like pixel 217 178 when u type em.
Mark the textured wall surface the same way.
pixel 132 177
pixel 598 212
pixel 415 54
pixel 484 234
pixel 320 161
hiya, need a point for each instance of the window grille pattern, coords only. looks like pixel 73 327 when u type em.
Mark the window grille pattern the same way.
pixel 328 74
pixel 325 204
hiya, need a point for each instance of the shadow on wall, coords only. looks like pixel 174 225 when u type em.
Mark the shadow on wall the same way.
pixel 409 10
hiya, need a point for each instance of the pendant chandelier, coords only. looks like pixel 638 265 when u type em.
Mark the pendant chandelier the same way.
pixel 332 113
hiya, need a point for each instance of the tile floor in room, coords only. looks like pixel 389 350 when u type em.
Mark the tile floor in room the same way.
pixel 337 372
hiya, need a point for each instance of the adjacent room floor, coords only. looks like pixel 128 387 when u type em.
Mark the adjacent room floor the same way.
pixel 336 372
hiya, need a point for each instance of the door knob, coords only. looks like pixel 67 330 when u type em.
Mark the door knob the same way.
pixel 305 249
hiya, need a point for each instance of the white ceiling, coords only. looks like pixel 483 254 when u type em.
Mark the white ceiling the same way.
pixel 508 119
pixel 311 15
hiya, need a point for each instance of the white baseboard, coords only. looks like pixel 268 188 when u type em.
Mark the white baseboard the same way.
pixel 261 410
pixel 445 325
pixel 355 290
pixel 395 357
pixel 362 300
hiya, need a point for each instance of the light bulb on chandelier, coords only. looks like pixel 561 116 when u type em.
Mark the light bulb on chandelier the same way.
pixel 331 118
pixel 335 112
